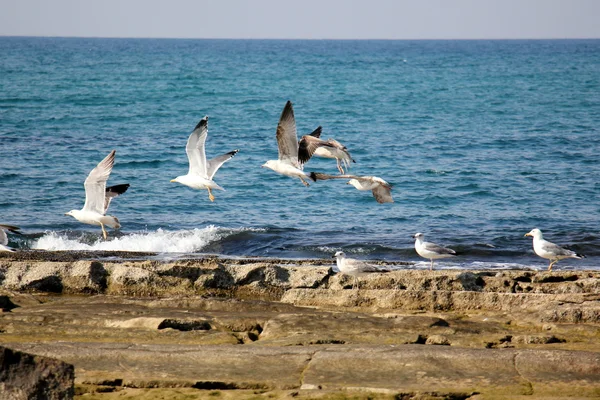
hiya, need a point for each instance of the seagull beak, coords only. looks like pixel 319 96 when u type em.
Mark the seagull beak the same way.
pixel 527 234
pixel 66 213
pixel 333 256
pixel 173 181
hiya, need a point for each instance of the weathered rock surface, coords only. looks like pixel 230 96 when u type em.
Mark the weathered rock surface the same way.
pixel 24 376
pixel 293 328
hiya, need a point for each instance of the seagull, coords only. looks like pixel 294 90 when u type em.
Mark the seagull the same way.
pixel 98 197
pixel 355 268
pixel 201 172
pixel 312 144
pixel 288 163
pixel 382 191
pixel 4 238
pixel 430 250
pixel 548 250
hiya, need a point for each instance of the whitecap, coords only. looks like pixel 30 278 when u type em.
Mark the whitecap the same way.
pixel 159 241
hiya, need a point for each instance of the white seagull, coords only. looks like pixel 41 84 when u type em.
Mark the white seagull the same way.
pixel 201 172
pixel 312 144
pixel 4 238
pixel 288 163
pixel 548 250
pixel 98 197
pixel 430 250
pixel 355 268
pixel 382 191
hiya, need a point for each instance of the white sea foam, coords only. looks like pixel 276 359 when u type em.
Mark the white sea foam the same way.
pixel 159 241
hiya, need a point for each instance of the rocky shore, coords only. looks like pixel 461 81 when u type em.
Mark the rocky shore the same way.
pixel 134 325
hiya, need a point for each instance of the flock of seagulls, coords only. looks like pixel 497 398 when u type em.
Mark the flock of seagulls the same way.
pixel 293 154
pixel 431 251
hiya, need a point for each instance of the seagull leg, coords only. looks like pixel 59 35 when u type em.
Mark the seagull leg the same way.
pixel 431 266
pixel 304 182
pixel 103 231
pixel 355 285
pixel 339 166
pixel 551 264
pixel 210 195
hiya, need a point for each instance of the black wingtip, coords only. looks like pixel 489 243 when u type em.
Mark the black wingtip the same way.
pixel 288 111
pixel 234 152
pixel 313 176
pixel 317 132
pixel 203 122
pixel 580 255
pixel 118 189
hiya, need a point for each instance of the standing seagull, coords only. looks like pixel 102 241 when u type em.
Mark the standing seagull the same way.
pixel 4 238
pixel 98 197
pixel 354 267
pixel 431 251
pixel 313 145
pixel 288 163
pixel 548 250
pixel 382 191
pixel 201 172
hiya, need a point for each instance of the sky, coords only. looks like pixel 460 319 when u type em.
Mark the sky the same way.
pixel 303 19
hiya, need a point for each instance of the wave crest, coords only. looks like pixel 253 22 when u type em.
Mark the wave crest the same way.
pixel 159 241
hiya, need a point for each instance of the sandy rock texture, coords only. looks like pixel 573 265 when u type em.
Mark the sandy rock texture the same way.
pixel 241 328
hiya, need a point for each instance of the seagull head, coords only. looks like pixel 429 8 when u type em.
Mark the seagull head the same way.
pixel 535 232
pixel 418 236
pixel 339 254
pixel 354 182
pixel 269 164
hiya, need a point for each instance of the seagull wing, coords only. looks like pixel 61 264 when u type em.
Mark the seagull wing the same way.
pixel 287 138
pixel 307 147
pixel 437 248
pixel 555 249
pixel 215 163
pixel 112 192
pixel 95 184
pixel 317 132
pixel 318 176
pixel 195 149
pixel 383 194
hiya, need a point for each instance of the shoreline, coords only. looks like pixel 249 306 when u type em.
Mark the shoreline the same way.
pixel 245 327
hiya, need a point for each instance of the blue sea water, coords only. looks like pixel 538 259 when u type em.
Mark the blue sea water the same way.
pixel 482 140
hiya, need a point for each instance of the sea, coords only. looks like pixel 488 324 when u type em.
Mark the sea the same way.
pixel 482 141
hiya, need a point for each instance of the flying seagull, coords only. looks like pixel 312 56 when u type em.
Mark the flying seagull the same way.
pixel 548 250
pixel 201 172
pixel 430 250
pixel 98 197
pixel 382 191
pixel 313 145
pixel 355 268
pixel 288 163
pixel 4 238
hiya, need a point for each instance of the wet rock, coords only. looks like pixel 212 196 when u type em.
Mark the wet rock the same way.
pixel 25 376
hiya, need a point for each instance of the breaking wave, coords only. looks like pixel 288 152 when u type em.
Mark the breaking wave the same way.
pixel 159 241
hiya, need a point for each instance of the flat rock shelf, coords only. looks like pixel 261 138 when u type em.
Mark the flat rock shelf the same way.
pixel 214 327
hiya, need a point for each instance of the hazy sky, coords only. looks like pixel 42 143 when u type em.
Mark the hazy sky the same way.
pixel 310 19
